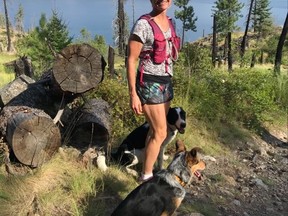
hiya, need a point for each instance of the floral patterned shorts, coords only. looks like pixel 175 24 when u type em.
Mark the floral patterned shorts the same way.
pixel 154 93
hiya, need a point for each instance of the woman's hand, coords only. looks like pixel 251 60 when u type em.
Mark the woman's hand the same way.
pixel 135 104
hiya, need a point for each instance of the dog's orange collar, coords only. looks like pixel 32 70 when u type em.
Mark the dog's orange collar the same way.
pixel 182 183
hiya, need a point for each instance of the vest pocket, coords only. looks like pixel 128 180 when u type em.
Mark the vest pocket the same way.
pixel 159 52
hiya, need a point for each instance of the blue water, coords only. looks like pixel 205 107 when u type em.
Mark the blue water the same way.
pixel 97 16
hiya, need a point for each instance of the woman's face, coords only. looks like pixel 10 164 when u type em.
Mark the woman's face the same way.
pixel 161 5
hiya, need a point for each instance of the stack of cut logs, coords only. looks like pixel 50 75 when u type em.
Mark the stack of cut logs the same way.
pixel 36 117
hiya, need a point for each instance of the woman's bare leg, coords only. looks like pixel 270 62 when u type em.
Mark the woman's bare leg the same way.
pixel 156 116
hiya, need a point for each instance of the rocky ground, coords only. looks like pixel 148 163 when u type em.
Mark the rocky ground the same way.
pixel 253 182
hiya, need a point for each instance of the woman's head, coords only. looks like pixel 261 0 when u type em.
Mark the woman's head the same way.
pixel 161 5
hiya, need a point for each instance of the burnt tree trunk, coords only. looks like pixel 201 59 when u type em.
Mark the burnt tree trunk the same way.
pixel 78 68
pixel 111 55
pixel 31 134
pixel 214 42
pixel 9 43
pixel 243 42
pixel 278 56
pixel 230 61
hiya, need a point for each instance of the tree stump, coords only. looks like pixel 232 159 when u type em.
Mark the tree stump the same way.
pixel 21 66
pixel 31 134
pixel 91 127
pixel 78 68
pixel 14 88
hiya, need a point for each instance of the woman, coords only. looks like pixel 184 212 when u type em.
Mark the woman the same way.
pixel 150 86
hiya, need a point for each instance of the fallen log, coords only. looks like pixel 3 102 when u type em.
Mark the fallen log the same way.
pixel 90 126
pixel 14 88
pixel 31 134
pixel 78 68
pixel 38 96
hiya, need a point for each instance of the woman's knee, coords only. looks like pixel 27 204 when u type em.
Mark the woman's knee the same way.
pixel 160 134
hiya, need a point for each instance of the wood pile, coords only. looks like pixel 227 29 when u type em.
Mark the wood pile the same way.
pixel 37 117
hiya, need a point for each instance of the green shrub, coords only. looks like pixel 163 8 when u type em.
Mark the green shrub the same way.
pixel 245 95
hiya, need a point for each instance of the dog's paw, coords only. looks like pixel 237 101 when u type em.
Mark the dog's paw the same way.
pixel 101 163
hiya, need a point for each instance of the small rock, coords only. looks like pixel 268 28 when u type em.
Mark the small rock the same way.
pixel 236 202
pixel 259 183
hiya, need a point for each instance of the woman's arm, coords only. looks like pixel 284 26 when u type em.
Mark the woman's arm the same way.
pixel 134 49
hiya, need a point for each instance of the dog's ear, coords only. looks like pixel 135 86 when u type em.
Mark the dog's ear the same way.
pixel 195 150
pixel 180 146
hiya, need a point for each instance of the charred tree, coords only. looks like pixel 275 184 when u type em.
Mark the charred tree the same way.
pixel 121 27
pixel 9 45
pixel 214 42
pixel 111 55
pixel 230 61
pixel 278 56
pixel 243 42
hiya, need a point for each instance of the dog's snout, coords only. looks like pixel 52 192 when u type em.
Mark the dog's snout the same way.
pixel 183 125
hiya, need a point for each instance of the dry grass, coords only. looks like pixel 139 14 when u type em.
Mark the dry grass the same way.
pixel 61 187
pixel 6 74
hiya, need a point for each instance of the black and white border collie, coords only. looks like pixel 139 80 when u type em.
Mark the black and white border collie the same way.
pixel 131 150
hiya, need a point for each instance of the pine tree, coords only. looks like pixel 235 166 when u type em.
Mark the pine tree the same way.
pixel 57 33
pixel 186 15
pixel 227 12
pixel 262 18
pixel 262 23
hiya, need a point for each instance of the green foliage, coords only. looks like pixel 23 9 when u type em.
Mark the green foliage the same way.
pixel 262 19
pixel 282 91
pixel 7 74
pixel 56 33
pixel 192 62
pixel 2 20
pixel 269 46
pixel 115 92
pixel 44 41
pixel 186 15
pixel 98 42
pixel 227 13
pixel 31 45
pixel 244 96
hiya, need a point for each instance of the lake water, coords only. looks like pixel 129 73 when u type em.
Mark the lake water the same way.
pixel 97 16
